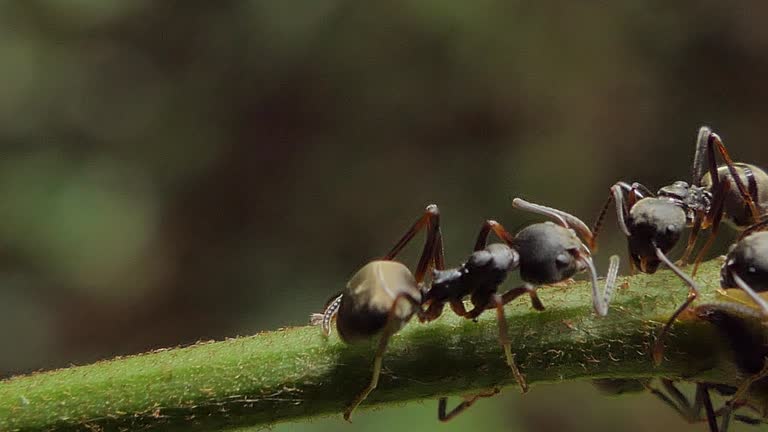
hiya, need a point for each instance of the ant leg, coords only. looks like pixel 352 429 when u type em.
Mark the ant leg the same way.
pixel 749 199
pixel 504 341
pixel 713 218
pixel 703 398
pixel 692 237
pixel 751 293
pixel 564 219
pixel 526 288
pixel 433 312
pixel 389 329
pixel 693 292
pixel 669 402
pixel 680 404
pixel 760 226
pixel 468 402
pixel 459 308
pixel 497 228
pixel 430 254
pixel 738 398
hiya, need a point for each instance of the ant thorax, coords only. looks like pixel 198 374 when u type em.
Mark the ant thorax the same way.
pixel 692 199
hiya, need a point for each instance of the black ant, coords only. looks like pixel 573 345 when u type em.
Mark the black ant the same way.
pixel 383 296
pixel 745 270
pixel 545 253
pixel 654 224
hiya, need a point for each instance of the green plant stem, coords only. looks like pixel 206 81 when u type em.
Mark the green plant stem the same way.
pixel 294 373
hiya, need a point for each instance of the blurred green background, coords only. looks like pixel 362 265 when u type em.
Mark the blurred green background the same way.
pixel 185 170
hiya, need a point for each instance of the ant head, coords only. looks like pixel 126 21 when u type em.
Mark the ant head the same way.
pixel 549 253
pixel 653 223
pixel 748 259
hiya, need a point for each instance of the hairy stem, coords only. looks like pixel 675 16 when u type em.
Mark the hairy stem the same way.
pixel 294 373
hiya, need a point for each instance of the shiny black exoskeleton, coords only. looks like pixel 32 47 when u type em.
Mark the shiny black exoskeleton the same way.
pixel 480 276
pixel 746 265
pixel 543 252
pixel 653 224
pixel 744 280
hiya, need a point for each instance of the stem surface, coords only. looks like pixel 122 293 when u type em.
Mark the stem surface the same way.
pixel 294 373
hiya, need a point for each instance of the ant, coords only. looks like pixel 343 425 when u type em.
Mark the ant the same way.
pixel 745 270
pixel 545 253
pixel 383 296
pixel 654 224
pixel 372 303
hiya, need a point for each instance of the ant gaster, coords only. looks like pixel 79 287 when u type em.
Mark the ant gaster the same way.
pixel 745 270
pixel 654 224
pixel 383 296
pixel 544 253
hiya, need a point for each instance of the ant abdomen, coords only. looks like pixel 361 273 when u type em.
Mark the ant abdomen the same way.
pixel 755 179
pixel 368 299
pixel 550 253
pixel 748 259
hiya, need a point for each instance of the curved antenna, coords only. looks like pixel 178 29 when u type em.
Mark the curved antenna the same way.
pixel 699 164
pixel 616 195
pixel 567 220
pixel 618 198
pixel 693 293
pixel 751 293
pixel 600 303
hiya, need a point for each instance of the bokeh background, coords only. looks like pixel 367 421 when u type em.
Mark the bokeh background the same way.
pixel 186 170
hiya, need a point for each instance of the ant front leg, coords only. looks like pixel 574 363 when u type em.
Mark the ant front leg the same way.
pixel 693 293
pixel 713 219
pixel 692 237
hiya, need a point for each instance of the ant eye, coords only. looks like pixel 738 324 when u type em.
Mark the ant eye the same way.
pixel 563 260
